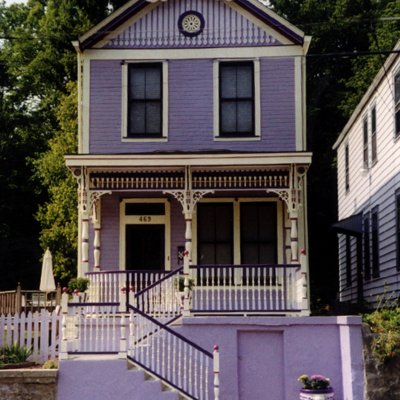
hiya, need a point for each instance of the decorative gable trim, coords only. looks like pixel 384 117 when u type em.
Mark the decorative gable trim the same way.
pixel 122 16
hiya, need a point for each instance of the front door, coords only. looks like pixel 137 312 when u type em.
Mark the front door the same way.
pixel 145 247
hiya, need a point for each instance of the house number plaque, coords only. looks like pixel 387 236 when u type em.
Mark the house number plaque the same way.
pixel 145 218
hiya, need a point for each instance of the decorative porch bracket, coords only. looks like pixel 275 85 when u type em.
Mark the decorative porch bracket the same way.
pixel 88 208
pixel 188 199
pixel 293 199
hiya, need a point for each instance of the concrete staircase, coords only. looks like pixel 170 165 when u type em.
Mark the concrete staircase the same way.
pixel 107 378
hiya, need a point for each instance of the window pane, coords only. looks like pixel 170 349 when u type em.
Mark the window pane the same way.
pixel 224 253
pixel 137 118
pixel 153 83
pixel 153 117
pixel 245 81
pixel 137 83
pixel 245 116
pixel 228 116
pixel 228 81
pixel 397 88
pixel 398 122
pixel 267 253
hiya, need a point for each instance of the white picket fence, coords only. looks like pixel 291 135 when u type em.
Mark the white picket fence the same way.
pixel 39 331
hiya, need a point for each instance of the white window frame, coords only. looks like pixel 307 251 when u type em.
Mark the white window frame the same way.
pixel 257 104
pixel 124 103
pixel 144 220
pixel 236 225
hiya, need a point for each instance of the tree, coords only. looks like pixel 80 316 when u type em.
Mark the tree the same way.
pixel 37 61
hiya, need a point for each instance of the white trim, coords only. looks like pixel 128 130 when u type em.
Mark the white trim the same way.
pixel 134 220
pixel 184 54
pixel 257 103
pixel 86 106
pixel 177 160
pixel 124 104
pixel 280 250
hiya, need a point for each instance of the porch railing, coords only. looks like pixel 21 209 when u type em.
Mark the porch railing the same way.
pixel 169 356
pixel 108 286
pixel 246 288
pixel 161 300
pixel 93 328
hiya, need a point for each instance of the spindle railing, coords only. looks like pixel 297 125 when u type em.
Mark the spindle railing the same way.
pixel 245 288
pixel 161 300
pixel 169 356
pixel 113 286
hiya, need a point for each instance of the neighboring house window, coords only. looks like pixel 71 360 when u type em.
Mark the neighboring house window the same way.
pixel 366 247
pixel 348 261
pixel 397 102
pixel 398 229
pixel 346 167
pixel 375 242
pixel 237 99
pixel 365 142
pixel 144 101
pixel 373 135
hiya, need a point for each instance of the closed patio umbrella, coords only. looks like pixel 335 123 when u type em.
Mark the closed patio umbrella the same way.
pixel 47 283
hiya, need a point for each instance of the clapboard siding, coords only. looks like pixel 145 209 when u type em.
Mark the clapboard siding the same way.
pixel 374 188
pixel 191 109
pixel 224 27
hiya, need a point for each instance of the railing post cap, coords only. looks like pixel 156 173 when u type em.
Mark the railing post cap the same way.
pixel 216 347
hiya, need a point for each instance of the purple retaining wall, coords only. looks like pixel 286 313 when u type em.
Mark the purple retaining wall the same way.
pixel 191 109
pixel 261 359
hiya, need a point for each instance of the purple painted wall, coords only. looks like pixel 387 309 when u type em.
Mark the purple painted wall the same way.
pixel 331 346
pixel 260 359
pixel 191 109
pixel 110 226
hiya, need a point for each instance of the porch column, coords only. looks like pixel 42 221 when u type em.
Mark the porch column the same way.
pixel 95 206
pixel 188 199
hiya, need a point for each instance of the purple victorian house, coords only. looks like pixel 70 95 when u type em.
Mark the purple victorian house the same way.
pixel 192 171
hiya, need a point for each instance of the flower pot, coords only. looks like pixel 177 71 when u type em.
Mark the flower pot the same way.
pixel 321 394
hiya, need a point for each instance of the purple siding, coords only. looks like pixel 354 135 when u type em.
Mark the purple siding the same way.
pixel 191 109
pixel 223 27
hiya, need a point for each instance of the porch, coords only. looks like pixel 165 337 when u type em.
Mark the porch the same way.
pixel 211 289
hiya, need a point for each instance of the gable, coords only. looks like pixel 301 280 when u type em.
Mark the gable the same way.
pixel 158 24
pixel 223 27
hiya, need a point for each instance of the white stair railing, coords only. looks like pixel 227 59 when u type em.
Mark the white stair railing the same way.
pixel 169 356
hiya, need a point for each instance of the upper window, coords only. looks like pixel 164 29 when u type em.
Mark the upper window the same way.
pixel 373 135
pixel 365 142
pixel 237 99
pixel 397 102
pixel 144 101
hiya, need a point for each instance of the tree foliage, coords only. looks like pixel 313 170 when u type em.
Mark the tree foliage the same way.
pixel 38 117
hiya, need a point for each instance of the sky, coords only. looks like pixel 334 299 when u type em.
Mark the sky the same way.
pixel 8 2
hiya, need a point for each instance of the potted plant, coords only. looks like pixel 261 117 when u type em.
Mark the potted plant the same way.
pixel 316 387
pixel 77 288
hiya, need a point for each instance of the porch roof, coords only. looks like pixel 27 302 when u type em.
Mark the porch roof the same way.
pixel 109 161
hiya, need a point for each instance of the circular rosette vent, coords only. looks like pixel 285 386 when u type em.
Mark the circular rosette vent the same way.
pixel 191 23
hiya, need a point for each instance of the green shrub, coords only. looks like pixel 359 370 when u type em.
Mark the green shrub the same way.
pixel 79 284
pixel 385 323
pixel 180 283
pixel 14 354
